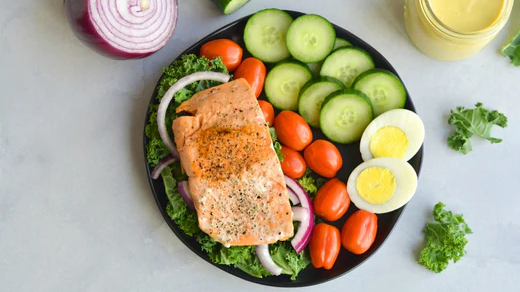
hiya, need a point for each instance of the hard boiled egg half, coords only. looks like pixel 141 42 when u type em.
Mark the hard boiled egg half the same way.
pixel 382 185
pixel 396 133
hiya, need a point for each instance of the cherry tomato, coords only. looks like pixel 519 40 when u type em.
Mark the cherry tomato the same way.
pixel 292 130
pixel 332 200
pixel 293 163
pixel 359 232
pixel 253 71
pixel 230 52
pixel 324 246
pixel 268 111
pixel 323 158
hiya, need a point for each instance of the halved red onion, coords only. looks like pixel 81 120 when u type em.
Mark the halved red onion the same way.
pixel 156 172
pixel 303 235
pixel 262 251
pixel 185 194
pixel 292 196
pixel 300 214
pixel 168 96
pixel 123 29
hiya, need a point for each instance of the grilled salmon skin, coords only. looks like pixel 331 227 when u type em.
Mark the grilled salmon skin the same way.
pixel 234 175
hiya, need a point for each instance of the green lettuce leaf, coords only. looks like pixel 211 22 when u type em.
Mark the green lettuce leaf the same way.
pixel 512 50
pixel 445 239
pixel 277 146
pixel 177 209
pixel 469 122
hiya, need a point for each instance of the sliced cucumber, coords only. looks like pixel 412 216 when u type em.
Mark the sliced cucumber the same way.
pixel 265 35
pixel 229 6
pixel 283 84
pixel 385 90
pixel 346 64
pixel 340 43
pixel 315 68
pixel 345 115
pixel 310 38
pixel 312 95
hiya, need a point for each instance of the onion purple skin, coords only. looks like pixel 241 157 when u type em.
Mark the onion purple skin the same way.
pixel 78 16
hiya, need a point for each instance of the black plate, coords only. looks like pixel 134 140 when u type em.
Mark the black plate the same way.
pixel 351 158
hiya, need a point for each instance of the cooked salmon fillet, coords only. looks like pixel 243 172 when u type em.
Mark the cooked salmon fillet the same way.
pixel 234 175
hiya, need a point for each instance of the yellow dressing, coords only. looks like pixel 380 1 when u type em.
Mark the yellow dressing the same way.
pixel 376 185
pixel 467 15
pixel 389 142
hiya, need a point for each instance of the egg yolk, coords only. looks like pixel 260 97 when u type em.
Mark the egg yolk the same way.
pixel 389 141
pixel 376 185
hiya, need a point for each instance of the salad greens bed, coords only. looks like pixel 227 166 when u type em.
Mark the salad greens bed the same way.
pixel 241 257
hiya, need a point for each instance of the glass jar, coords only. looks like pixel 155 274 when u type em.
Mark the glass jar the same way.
pixel 437 40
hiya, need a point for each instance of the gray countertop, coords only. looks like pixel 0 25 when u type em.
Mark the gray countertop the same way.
pixel 76 210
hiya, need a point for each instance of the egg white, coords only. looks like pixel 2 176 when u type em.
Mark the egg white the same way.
pixel 409 122
pixel 405 178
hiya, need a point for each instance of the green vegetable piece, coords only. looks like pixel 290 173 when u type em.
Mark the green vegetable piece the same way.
pixel 469 122
pixel 229 6
pixel 286 258
pixel 177 209
pixel 277 146
pixel 308 183
pixel 512 50
pixel 445 239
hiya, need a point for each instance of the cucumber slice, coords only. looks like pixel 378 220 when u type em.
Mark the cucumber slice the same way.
pixel 229 6
pixel 310 38
pixel 345 115
pixel 340 43
pixel 312 95
pixel 345 64
pixel 265 35
pixel 315 68
pixel 385 90
pixel 283 84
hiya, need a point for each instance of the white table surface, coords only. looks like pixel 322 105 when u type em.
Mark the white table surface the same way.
pixel 76 210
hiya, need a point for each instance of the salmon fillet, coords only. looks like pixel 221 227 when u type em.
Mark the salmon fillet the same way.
pixel 234 175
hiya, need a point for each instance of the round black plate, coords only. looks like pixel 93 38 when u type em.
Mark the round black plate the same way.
pixel 351 158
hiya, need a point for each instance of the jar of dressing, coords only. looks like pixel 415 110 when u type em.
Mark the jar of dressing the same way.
pixel 453 30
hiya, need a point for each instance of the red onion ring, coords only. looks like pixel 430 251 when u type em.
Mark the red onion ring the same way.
pixel 156 172
pixel 168 96
pixel 293 197
pixel 185 194
pixel 123 29
pixel 262 251
pixel 300 214
pixel 303 235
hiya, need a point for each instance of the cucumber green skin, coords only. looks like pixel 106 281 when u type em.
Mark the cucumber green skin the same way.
pixel 309 84
pixel 316 66
pixel 224 5
pixel 273 100
pixel 324 108
pixel 377 110
pixel 293 49
pixel 252 50
pixel 341 43
pixel 338 51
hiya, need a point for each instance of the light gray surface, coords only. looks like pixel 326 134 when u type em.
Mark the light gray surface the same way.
pixel 76 211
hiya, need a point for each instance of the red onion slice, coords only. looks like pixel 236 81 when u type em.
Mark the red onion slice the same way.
pixel 262 251
pixel 185 194
pixel 300 214
pixel 293 197
pixel 161 165
pixel 302 237
pixel 168 96
pixel 123 29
